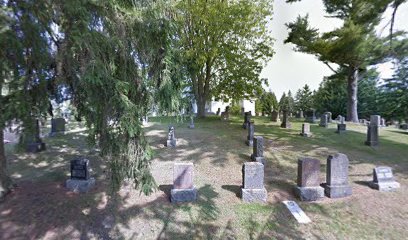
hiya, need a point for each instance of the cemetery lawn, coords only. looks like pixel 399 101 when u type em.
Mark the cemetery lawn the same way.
pixel 41 208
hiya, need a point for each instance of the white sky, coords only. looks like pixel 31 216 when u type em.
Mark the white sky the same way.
pixel 290 70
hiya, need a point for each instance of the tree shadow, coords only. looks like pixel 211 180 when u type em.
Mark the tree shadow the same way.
pixel 234 189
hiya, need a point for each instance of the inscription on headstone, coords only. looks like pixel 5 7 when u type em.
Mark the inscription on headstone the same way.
pixel 80 180
pixel 258 150
pixel 308 181
pixel 57 125
pixel 297 212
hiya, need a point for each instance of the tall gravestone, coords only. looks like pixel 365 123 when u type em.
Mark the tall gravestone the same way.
pixel 285 120
pixel 183 187
pixel 258 150
pixel 306 130
pixel 324 121
pixel 275 116
pixel 383 123
pixel 308 182
pixel 372 131
pixel 80 180
pixel 218 111
pixel 329 117
pixel 31 138
pixel 191 122
pixel 171 138
pixel 243 111
pixel 337 185
pixel 301 114
pixel 251 131
pixel 253 189
pixel 383 179
pixel 247 119
pixel 341 127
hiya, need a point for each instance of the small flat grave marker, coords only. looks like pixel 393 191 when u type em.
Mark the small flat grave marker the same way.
pixel 297 212
pixel 383 179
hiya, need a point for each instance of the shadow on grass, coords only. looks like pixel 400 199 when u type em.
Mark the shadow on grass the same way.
pixel 234 189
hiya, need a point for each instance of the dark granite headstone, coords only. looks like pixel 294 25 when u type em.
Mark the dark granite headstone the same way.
pixel 247 119
pixel 310 116
pixel 57 125
pixel 183 186
pixel 285 120
pixel 258 150
pixel 274 116
pixel 251 131
pixel 308 181
pixel 383 179
pixel 191 123
pixel 32 140
pixel 306 130
pixel 253 189
pixel 80 169
pixel 218 111
pixel 372 135
pixel 337 185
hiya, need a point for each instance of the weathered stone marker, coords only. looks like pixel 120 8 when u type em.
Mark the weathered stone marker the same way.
pixel 57 126
pixel 258 150
pixel 311 116
pixel 308 180
pixel 171 138
pixel 247 119
pixel 251 131
pixel 253 189
pixel 324 121
pixel 183 187
pixel 306 130
pixel 383 122
pixel 80 176
pixel 329 117
pixel 191 122
pixel 337 185
pixel 32 139
pixel 341 127
pixel 285 120
pixel 372 131
pixel 275 116
pixel 297 212
pixel 383 179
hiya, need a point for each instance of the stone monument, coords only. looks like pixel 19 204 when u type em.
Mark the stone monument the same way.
pixel 258 150
pixel 253 189
pixel 285 120
pixel 80 180
pixel 31 138
pixel 372 131
pixel 57 126
pixel 306 130
pixel 337 185
pixel 218 111
pixel 341 127
pixel 324 121
pixel 251 131
pixel 191 122
pixel 274 116
pixel 247 119
pixel 329 117
pixel 383 179
pixel 183 188
pixel 171 138
pixel 383 122
pixel 308 181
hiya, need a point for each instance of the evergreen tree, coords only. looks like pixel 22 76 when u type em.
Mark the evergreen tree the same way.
pixel 304 99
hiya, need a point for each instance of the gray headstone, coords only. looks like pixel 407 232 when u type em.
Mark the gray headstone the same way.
pixel 337 185
pixel 323 121
pixel 285 120
pixel 341 127
pixel 306 130
pixel 32 140
pixel 383 123
pixel 253 182
pixel 383 179
pixel 80 180
pixel 372 135
pixel 258 150
pixel 58 125
pixel 183 187
pixel 375 120
pixel 247 119
pixel 308 181
pixel 191 123
pixel 171 138
pixel 274 116
pixel 329 116
pixel 251 131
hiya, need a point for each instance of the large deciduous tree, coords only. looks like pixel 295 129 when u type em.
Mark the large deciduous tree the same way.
pixel 224 45
pixel 354 46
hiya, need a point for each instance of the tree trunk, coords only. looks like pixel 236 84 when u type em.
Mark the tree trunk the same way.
pixel 352 83
pixel 201 106
pixel 5 180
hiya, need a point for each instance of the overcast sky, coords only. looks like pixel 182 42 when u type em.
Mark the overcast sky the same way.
pixel 290 70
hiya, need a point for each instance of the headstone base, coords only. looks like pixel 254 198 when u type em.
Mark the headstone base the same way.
pixel 183 195
pixel 385 186
pixel 254 195
pixel 337 191
pixel 249 143
pixel 258 159
pixel 35 147
pixel 309 193
pixel 81 186
pixel 306 134
pixel 171 143
pixel 371 143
